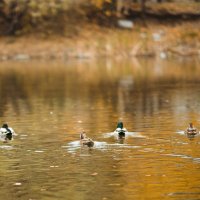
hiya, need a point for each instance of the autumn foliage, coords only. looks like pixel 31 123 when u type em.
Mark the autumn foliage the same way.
pixel 18 17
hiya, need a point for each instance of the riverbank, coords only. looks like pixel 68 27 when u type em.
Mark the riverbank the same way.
pixel 182 39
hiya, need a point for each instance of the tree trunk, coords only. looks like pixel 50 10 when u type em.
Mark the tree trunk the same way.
pixel 143 7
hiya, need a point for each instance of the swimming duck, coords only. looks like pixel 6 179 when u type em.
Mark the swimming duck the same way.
pixel 86 140
pixel 6 131
pixel 120 130
pixel 191 130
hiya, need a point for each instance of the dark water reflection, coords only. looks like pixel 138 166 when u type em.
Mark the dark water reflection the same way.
pixel 48 103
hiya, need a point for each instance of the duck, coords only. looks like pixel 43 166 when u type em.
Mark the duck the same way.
pixel 120 130
pixel 191 130
pixel 6 131
pixel 86 141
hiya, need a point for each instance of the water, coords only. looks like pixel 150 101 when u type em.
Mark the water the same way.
pixel 49 103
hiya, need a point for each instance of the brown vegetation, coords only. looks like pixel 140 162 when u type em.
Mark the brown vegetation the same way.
pixel 88 29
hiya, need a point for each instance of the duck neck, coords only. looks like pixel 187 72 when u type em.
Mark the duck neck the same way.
pixel 120 125
pixel 191 125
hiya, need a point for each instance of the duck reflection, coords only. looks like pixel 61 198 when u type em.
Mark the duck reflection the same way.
pixel 124 88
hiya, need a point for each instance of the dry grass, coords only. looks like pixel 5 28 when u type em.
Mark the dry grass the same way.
pixel 94 41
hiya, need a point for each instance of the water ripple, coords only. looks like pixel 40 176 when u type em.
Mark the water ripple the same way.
pixel 128 134
pixel 6 147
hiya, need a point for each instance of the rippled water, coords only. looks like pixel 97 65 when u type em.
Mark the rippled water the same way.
pixel 49 103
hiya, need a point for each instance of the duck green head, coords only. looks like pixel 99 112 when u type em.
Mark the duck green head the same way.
pixel 5 126
pixel 120 124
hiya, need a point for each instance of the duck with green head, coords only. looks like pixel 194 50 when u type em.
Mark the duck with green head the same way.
pixel 86 140
pixel 120 130
pixel 191 130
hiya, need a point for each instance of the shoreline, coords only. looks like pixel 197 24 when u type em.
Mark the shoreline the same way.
pixel 156 40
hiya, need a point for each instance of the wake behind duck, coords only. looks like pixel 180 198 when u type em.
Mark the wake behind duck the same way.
pixel 84 142
pixel 121 133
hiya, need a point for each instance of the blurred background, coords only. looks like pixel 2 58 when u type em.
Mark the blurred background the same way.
pixel 87 28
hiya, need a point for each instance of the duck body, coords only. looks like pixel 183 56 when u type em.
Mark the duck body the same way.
pixel 191 130
pixel 120 130
pixel 6 132
pixel 86 141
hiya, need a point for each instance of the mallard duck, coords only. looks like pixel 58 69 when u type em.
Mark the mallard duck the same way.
pixel 120 130
pixel 6 131
pixel 86 140
pixel 191 130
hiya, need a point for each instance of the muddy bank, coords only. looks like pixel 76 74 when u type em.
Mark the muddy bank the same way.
pixel 94 41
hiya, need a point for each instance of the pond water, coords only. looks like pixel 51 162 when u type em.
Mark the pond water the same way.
pixel 48 103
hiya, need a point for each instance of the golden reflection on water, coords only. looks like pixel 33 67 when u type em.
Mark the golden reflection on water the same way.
pixel 48 103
